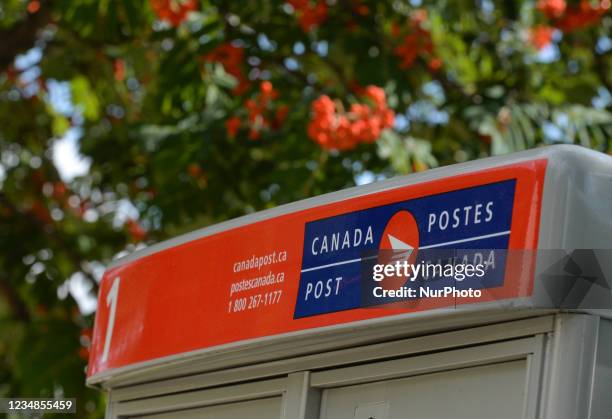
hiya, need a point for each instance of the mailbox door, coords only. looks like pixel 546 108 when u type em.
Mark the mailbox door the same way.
pixel 490 391
pixel 253 409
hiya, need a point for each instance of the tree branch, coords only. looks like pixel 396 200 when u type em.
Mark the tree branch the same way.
pixel 16 304
pixel 601 69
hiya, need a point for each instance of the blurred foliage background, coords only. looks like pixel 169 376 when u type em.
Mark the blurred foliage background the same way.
pixel 127 122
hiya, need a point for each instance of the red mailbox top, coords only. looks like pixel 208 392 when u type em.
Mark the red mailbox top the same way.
pixel 297 267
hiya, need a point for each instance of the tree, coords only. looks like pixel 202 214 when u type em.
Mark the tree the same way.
pixel 192 112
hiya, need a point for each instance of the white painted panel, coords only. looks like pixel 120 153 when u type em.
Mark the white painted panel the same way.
pixel 491 391
pixel 253 409
pixel 601 405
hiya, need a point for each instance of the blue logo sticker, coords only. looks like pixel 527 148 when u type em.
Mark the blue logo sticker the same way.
pixel 335 248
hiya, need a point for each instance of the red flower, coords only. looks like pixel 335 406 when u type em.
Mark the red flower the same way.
pixel 395 30
pixel 335 129
pixel 119 69
pixel 173 11
pixel 41 212
pixel 231 58
pixel 417 41
pixel 435 64
pixel 377 95
pixel 360 9
pixel 232 125
pixel 11 73
pixel 541 36
pixel 279 117
pixel 254 134
pixel 262 113
pixel 136 231
pixel 310 14
pixel 583 16
pixel 194 170
pixel 59 191
pixel 266 88
pixel 268 93
pixel 552 8
pixel 33 6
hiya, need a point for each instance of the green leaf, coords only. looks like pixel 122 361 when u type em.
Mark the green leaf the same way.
pixel 84 96
pixel 60 125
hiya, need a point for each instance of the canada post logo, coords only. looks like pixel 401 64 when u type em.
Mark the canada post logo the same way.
pixel 334 248
pixel 400 233
pixel 399 242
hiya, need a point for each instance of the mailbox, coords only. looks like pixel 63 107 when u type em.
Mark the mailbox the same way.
pixel 275 314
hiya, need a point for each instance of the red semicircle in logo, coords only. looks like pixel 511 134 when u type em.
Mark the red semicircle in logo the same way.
pixel 399 242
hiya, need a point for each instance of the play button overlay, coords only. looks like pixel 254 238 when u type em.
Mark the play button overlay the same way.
pixel 399 242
